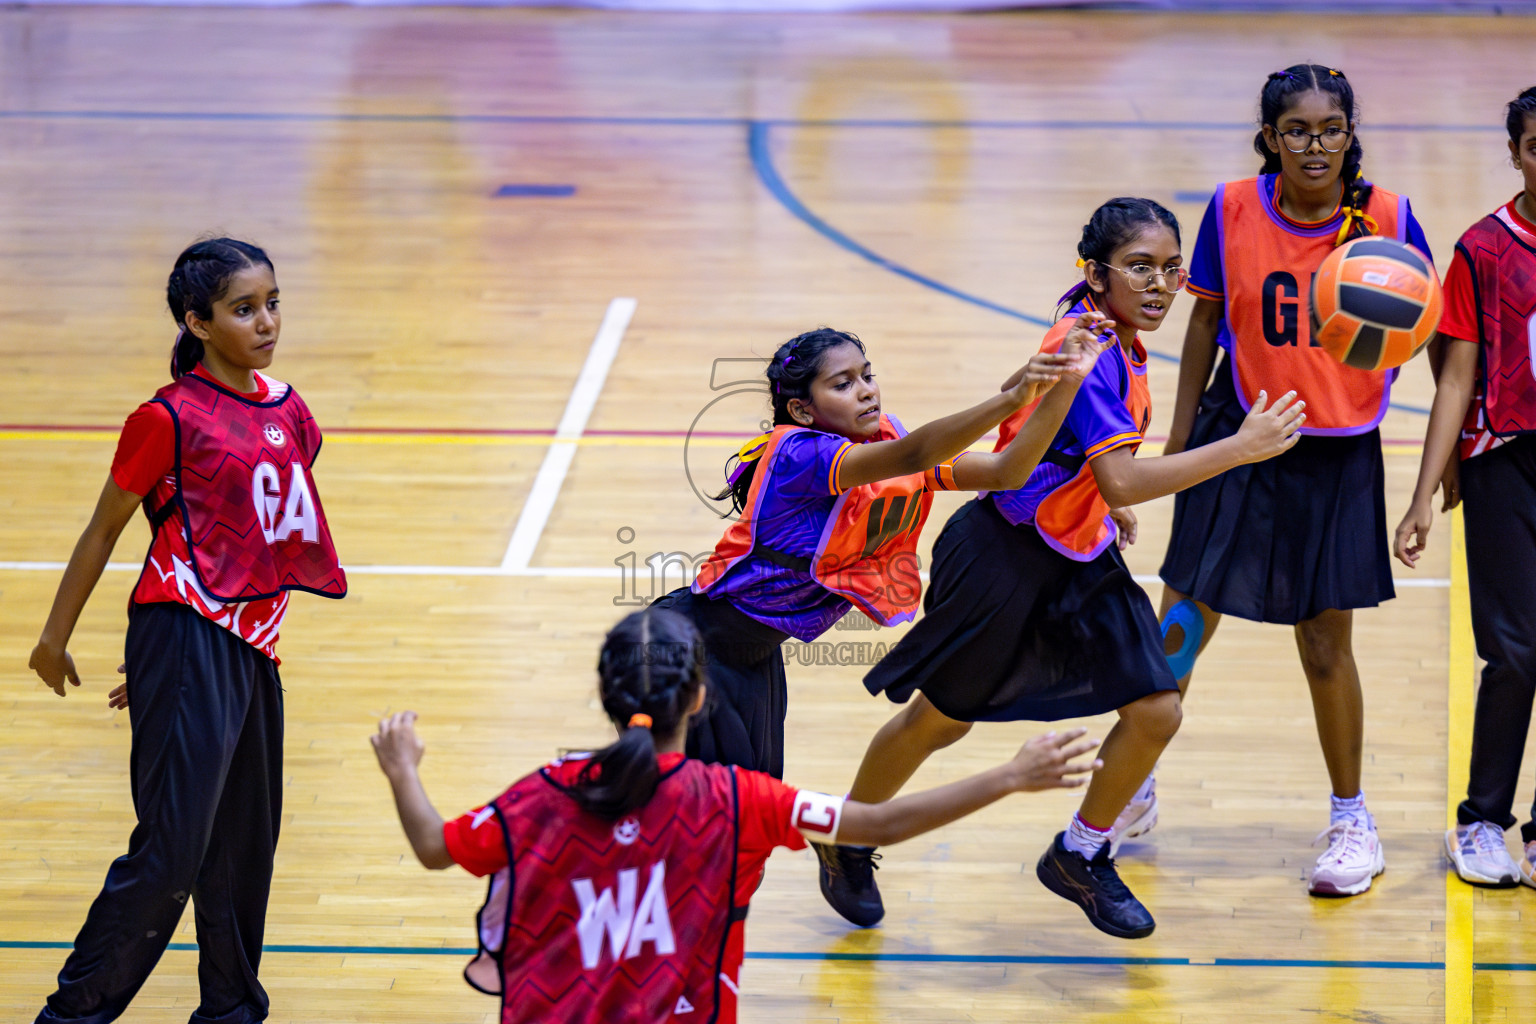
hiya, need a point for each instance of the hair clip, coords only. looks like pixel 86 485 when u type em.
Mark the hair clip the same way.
pixel 1335 72
pixel 1279 74
pixel 1081 263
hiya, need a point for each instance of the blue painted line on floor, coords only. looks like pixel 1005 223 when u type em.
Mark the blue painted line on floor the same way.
pixel 908 958
pixel 507 191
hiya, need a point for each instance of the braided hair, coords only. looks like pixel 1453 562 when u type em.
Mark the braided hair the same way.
pixel 649 674
pixel 200 278
pixel 1275 99
pixel 790 373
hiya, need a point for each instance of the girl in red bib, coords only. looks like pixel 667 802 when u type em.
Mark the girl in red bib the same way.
pixel 620 879
pixel 220 459
pixel 1486 391
pixel 831 503
pixel 1300 539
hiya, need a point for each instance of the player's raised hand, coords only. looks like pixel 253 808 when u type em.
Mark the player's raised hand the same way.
pixel 1270 429
pixel 53 666
pixel 1048 762
pixel 1088 337
pixel 396 744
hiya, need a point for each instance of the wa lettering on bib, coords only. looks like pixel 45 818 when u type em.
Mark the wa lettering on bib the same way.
pixel 597 920
pixel 252 517
pixel 1268 265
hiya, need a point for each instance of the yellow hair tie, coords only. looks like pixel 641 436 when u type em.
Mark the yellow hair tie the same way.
pixel 1351 215
pixel 753 449
pixel 1081 264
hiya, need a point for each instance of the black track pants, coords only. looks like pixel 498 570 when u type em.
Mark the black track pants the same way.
pixel 1499 502
pixel 207 716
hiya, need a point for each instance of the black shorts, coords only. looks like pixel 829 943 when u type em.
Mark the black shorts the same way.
pixel 1012 630
pixel 743 718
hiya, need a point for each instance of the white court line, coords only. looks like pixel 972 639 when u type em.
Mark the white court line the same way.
pixel 552 572
pixel 557 460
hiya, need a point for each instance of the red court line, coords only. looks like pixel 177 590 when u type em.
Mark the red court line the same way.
pixel 507 432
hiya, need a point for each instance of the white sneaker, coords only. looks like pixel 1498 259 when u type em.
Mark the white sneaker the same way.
pixel 1528 865
pixel 1352 859
pixel 1478 853
pixel 1138 818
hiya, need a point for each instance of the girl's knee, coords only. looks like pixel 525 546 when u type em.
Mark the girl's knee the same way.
pixel 1157 717
pixel 935 729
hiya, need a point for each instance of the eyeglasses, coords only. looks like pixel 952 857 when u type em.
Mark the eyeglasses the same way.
pixel 1331 139
pixel 1141 275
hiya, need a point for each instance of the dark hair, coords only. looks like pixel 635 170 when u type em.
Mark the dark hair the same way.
pixel 652 663
pixel 1111 226
pixel 790 373
pixel 199 279
pixel 1519 109
pixel 1280 89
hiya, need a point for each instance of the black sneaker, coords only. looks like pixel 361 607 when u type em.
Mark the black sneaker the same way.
pixel 1096 887
pixel 848 882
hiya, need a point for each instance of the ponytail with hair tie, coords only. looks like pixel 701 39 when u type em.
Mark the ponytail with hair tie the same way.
pixel 639 720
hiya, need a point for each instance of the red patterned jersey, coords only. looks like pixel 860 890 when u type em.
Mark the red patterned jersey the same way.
pixel 638 920
pixel 237 521
pixel 1491 300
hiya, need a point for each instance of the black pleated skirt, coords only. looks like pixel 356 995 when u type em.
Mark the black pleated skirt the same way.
pixel 1285 539
pixel 743 718
pixel 1015 631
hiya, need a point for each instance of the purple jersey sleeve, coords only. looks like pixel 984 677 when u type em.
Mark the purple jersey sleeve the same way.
pixel 1098 418
pixel 1205 277
pixel 806 463
pixel 1414 232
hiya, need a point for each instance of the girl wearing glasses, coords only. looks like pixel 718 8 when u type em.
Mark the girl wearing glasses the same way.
pixel 1031 613
pixel 1300 540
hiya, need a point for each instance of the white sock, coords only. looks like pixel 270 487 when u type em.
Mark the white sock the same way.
pixel 1352 809
pixel 1083 838
pixel 1148 788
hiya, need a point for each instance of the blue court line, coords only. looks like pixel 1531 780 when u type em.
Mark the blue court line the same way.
pixel 905 958
pixel 684 121
pixel 507 191
pixel 762 162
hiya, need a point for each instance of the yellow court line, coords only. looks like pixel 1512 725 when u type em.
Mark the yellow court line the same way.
pixel 1458 722
pixel 531 440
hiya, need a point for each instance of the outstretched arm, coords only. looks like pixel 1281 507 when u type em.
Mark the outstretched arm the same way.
pixel 1045 762
pixel 1125 480
pixel 50 658
pixel 399 751
pixel 944 438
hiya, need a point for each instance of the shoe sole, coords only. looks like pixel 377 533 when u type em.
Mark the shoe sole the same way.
pixel 1140 827
pixel 1067 891
pixel 1329 889
pixel 1481 881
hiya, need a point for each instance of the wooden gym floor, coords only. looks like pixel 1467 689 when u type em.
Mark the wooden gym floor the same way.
pixel 920 180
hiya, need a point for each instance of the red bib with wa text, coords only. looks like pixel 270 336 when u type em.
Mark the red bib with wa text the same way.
pixel 598 920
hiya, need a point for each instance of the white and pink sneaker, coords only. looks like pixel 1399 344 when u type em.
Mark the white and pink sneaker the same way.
pixel 1353 858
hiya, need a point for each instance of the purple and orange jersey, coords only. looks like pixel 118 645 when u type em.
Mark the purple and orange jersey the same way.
pixel 1111 410
pixel 804 551
pixel 1259 263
